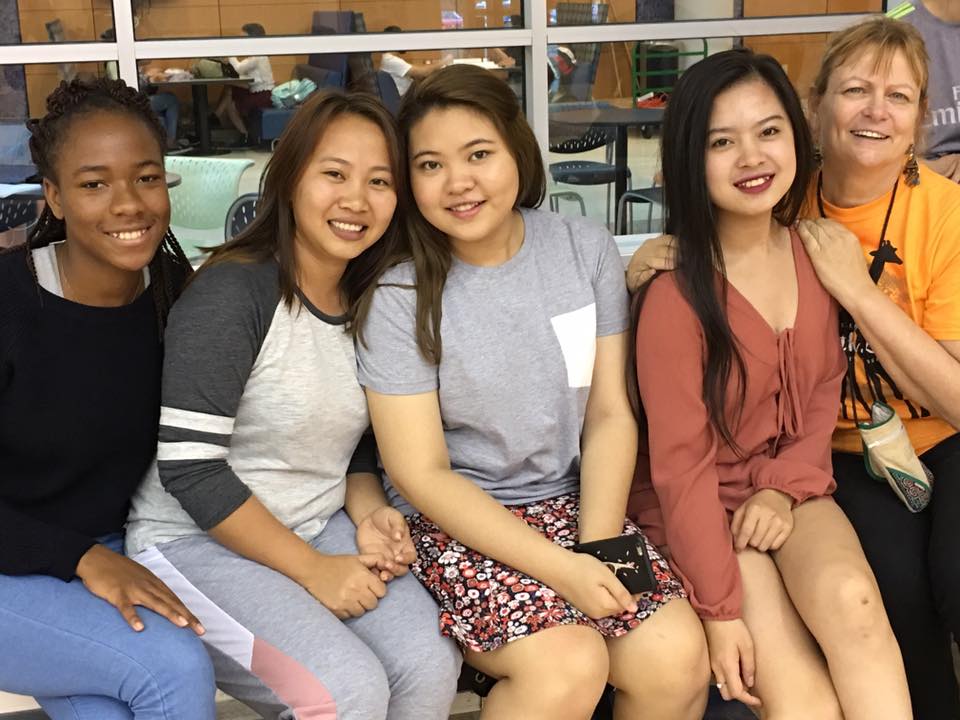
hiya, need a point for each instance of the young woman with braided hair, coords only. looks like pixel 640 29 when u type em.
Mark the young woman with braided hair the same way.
pixel 83 306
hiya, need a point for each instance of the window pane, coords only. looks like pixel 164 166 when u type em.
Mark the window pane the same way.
pixel 609 95
pixel 236 18
pixel 644 11
pixel 42 21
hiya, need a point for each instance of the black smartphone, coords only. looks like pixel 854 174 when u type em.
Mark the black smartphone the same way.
pixel 627 558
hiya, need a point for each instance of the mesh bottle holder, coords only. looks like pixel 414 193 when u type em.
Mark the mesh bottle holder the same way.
pixel 888 454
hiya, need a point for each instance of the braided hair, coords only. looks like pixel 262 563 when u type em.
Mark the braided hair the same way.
pixel 169 266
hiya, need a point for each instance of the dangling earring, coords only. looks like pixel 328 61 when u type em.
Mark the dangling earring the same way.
pixel 817 156
pixel 911 171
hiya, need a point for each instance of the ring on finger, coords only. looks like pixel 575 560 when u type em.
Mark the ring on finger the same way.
pixel 719 686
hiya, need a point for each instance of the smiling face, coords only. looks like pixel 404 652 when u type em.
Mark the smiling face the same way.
pixel 345 198
pixel 464 177
pixel 110 190
pixel 750 160
pixel 868 117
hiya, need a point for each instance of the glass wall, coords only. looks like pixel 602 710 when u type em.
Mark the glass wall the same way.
pixel 566 61
pixel 55 21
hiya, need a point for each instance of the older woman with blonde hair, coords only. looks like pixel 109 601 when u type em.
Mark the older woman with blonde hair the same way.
pixel 884 239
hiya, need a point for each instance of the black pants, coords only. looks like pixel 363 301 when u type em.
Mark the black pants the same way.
pixel 916 559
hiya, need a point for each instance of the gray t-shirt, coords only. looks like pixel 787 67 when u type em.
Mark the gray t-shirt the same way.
pixel 257 398
pixel 943 46
pixel 519 342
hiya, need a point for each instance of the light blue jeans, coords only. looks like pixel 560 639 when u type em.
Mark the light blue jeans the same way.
pixel 167 107
pixel 79 658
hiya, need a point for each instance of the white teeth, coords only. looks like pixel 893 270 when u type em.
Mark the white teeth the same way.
pixel 349 227
pixel 464 207
pixel 129 235
pixel 869 134
pixel 756 182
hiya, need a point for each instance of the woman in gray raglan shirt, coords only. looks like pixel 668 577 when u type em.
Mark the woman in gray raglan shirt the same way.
pixel 516 435
pixel 268 518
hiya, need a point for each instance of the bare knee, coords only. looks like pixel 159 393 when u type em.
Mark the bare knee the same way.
pixel 568 675
pixel 673 656
pixel 854 614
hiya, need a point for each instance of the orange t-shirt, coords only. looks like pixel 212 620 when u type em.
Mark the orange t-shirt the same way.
pixel 924 228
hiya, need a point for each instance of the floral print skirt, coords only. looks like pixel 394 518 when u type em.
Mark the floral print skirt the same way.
pixel 485 604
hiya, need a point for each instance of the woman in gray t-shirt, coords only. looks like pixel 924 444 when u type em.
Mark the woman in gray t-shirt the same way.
pixel 516 436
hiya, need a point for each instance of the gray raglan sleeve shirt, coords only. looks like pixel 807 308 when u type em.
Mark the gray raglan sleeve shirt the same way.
pixel 213 337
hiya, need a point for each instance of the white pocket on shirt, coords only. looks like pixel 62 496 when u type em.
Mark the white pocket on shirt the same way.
pixel 577 333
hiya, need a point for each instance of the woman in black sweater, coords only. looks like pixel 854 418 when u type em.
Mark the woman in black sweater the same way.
pixel 82 310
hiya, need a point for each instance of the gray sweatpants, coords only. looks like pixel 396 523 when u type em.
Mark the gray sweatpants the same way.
pixel 277 649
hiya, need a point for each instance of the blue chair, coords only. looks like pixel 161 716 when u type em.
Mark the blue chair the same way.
pixel 387 90
pixel 243 210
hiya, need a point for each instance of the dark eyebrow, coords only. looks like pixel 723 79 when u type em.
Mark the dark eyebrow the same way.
pixel 465 146
pixel 104 168
pixel 341 161
pixel 778 116
pixel 478 141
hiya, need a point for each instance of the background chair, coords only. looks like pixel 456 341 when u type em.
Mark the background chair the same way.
pixel 243 210
pixel 387 90
pixel 17 212
pixel 199 204
pixel 651 196
pixel 567 139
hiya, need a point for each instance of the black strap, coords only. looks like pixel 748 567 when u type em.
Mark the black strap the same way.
pixel 849 331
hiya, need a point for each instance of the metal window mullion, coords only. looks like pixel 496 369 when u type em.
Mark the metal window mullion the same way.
pixel 123 27
pixel 57 53
pixel 347 43
pixel 535 74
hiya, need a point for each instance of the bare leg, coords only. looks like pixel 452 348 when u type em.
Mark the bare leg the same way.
pixel 236 118
pixel 555 674
pixel 833 589
pixel 661 669
pixel 792 678
pixel 226 99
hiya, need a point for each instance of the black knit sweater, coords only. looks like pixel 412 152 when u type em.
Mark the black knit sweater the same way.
pixel 79 407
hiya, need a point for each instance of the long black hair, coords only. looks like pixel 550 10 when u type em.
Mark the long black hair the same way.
pixel 70 101
pixel 691 220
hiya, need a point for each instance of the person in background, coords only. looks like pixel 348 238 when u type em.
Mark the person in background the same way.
pixel 237 102
pixel 938 21
pixel 404 73
pixel 165 104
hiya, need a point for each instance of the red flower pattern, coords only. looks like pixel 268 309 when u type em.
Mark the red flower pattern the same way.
pixel 485 604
